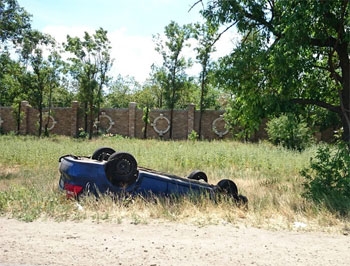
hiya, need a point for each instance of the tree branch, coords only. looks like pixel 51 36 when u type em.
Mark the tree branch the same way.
pixel 199 1
pixel 329 42
pixel 221 33
pixel 322 104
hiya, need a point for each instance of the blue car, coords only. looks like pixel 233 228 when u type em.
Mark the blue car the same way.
pixel 107 171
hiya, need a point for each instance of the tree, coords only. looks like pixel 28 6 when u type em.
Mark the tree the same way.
pixel 14 21
pixel 10 74
pixel 242 74
pixel 206 34
pixel 174 64
pixel 89 67
pixel 297 53
pixel 121 91
pixel 146 99
pixel 42 74
pixel 11 90
pixel 156 80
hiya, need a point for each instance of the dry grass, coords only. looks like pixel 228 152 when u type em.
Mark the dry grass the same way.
pixel 268 176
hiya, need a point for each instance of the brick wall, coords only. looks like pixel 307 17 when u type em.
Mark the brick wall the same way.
pixel 126 122
pixel 7 120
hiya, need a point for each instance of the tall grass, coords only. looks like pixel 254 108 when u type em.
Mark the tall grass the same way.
pixel 267 175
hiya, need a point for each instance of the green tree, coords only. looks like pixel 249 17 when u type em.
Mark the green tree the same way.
pixel 122 91
pixel 146 99
pixel 10 74
pixel 89 67
pixel 290 132
pixel 296 53
pixel 156 80
pixel 173 73
pixel 14 21
pixel 242 75
pixel 11 89
pixel 42 72
pixel 206 34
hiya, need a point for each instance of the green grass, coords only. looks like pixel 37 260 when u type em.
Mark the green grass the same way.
pixel 267 175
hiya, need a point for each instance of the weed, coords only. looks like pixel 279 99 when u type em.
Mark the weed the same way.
pixel 328 178
pixel 269 176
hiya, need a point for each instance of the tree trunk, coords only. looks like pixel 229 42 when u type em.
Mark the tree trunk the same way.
pixel 342 50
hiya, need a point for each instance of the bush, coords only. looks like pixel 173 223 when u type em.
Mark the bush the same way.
pixel 193 136
pixel 328 178
pixel 290 132
pixel 82 134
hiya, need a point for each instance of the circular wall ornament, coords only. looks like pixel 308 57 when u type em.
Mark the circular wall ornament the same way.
pixel 216 125
pixel 155 126
pixel 110 121
pixel 51 121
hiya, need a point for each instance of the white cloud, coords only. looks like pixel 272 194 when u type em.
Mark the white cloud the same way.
pixel 133 55
pixel 60 32
pixel 130 26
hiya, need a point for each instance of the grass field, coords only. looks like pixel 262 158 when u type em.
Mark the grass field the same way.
pixel 267 175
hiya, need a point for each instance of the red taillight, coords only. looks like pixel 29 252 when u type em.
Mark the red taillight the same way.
pixel 72 190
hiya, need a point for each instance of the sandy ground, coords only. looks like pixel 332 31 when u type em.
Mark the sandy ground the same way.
pixel 88 243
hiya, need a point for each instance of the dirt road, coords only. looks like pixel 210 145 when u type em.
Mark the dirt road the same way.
pixel 88 243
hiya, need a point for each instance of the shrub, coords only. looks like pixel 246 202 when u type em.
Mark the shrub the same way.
pixel 193 135
pixel 82 134
pixel 290 132
pixel 328 178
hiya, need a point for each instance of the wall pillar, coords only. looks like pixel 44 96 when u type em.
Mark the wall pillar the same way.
pixel 132 119
pixel 190 118
pixel 74 119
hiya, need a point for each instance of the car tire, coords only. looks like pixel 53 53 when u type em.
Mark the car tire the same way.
pixel 121 169
pixel 198 175
pixel 102 154
pixel 242 200
pixel 228 187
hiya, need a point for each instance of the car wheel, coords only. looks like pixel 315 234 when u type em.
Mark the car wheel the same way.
pixel 102 154
pixel 198 175
pixel 228 187
pixel 243 200
pixel 121 169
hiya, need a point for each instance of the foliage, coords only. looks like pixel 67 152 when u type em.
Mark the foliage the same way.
pixel 14 21
pixel 89 66
pixel 42 74
pixel 14 24
pixel 11 90
pixel 147 97
pixel 241 74
pixel 292 54
pixel 82 134
pixel 206 35
pixel 289 131
pixel 173 77
pixel 122 92
pixel 193 136
pixel 328 178
pixel 146 120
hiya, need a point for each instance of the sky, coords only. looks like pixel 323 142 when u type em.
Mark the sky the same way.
pixel 130 25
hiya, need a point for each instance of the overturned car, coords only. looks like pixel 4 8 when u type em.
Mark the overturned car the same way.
pixel 108 171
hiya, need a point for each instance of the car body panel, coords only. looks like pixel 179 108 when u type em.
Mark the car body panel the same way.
pixel 90 174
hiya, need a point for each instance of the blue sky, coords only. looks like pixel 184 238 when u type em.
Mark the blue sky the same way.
pixel 130 25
